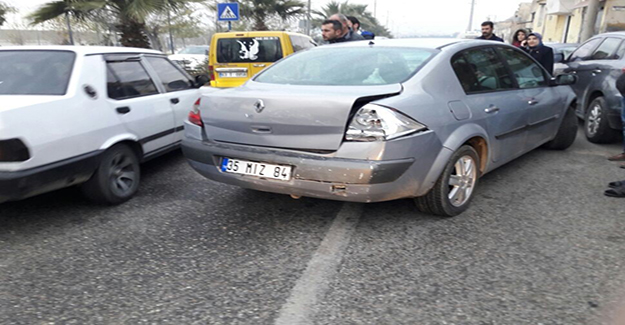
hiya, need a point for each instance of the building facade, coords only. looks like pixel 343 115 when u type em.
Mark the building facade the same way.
pixel 561 21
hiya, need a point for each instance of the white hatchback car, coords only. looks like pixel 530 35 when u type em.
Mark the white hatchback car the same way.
pixel 87 115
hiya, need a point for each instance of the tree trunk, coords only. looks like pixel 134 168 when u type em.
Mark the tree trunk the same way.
pixel 69 29
pixel 133 34
pixel 259 24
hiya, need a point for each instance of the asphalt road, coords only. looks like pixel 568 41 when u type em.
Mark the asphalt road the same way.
pixel 540 245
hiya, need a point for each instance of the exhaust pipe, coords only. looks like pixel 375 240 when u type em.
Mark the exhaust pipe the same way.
pixel 296 197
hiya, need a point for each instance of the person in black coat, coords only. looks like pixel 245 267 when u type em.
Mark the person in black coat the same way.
pixel 543 54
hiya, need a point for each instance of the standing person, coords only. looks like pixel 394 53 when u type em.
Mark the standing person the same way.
pixel 518 38
pixel 620 86
pixel 356 28
pixel 487 32
pixel 543 54
pixel 347 32
pixel 332 31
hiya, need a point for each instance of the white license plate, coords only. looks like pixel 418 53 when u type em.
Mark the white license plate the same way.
pixel 233 74
pixel 251 168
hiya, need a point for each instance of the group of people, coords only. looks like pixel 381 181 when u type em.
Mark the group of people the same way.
pixel 340 28
pixel 532 43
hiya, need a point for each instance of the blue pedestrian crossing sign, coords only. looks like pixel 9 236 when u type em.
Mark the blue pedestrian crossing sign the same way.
pixel 228 11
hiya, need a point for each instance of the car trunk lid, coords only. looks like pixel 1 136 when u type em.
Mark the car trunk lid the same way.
pixel 285 116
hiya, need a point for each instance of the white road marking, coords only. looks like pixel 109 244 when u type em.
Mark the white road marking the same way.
pixel 311 287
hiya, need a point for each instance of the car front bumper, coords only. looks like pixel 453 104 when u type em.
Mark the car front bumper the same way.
pixel 315 175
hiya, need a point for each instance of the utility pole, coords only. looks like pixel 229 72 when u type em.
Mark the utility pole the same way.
pixel 470 27
pixel 590 19
pixel 308 20
pixel 375 8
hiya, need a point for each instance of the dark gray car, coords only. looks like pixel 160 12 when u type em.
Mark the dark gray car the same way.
pixel 597 64
pixel 369 122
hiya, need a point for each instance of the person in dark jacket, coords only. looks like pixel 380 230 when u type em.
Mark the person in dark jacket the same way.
pixel 617 189
pixel 348 34
pixel 620 86
pixel 518 38
pixel 543 54
pixel 487 32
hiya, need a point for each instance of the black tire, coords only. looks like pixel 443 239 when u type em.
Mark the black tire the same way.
pixel 117 178
pixel 596 126
pixel 437 201
pixel 566 133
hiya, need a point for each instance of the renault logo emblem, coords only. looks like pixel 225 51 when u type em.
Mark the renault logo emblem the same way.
pixel 259 106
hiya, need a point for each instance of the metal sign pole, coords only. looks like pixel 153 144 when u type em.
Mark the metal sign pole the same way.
pixel 229 26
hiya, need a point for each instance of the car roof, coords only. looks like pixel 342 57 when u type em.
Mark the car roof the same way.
pixel 428 43
pixel 621 34
pixel 562 44
pixel 82 50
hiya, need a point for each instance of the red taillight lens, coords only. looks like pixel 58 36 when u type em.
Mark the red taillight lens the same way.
pixel 194 115
pixel 211 72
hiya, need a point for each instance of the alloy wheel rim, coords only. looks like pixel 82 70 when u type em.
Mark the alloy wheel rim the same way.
pixel 122 175
pixel 594 119
pixel 462 181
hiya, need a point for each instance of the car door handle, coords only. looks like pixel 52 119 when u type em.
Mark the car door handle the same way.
pixel 174 100
pixel 596 71
pixel 259 65
pixel 123 110
pixel 492 110
pixel 532 102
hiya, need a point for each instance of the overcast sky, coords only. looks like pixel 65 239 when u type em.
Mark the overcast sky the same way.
pixel 404 17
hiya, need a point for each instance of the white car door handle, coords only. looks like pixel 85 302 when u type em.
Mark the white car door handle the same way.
pixel 532 102
pixel 491 110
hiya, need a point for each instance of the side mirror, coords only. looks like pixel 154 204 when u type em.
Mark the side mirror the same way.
pixel 558 58
pixel 564 80
pixel 201 80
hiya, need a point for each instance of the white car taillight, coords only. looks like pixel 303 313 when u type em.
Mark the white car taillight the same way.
pixel 194 115
pixel 377 123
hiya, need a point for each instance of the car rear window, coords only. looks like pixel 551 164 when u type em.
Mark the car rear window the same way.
pixel 249 49
pixel 348 66
pixel 25 72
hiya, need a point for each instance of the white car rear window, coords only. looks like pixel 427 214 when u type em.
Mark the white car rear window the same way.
pixel 35 72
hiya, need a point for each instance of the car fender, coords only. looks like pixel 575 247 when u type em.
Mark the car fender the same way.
pixel 117 139
pixel 456 139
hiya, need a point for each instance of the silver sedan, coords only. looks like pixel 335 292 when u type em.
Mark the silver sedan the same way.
pixel 382 120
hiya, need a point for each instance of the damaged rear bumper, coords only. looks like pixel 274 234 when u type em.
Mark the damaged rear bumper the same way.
pixel 313 175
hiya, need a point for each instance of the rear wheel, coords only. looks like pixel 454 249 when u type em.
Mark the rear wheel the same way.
pixel 117 178
pixel 453 191
pixel 596 125
pixel 566 133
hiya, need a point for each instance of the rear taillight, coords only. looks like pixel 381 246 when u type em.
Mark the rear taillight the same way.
pixel 211 72
pixel 377 123
pixel 13 150
pixel 194 115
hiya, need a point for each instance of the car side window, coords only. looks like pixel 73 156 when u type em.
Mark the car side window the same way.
pixel 296 41
pixel 527 73
pixel 171 77
pixel 465 74
pixel 308 42
pixel 620 53
pixel 584 51
pixel 489 72
pixel 128 79
pixel 607 49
